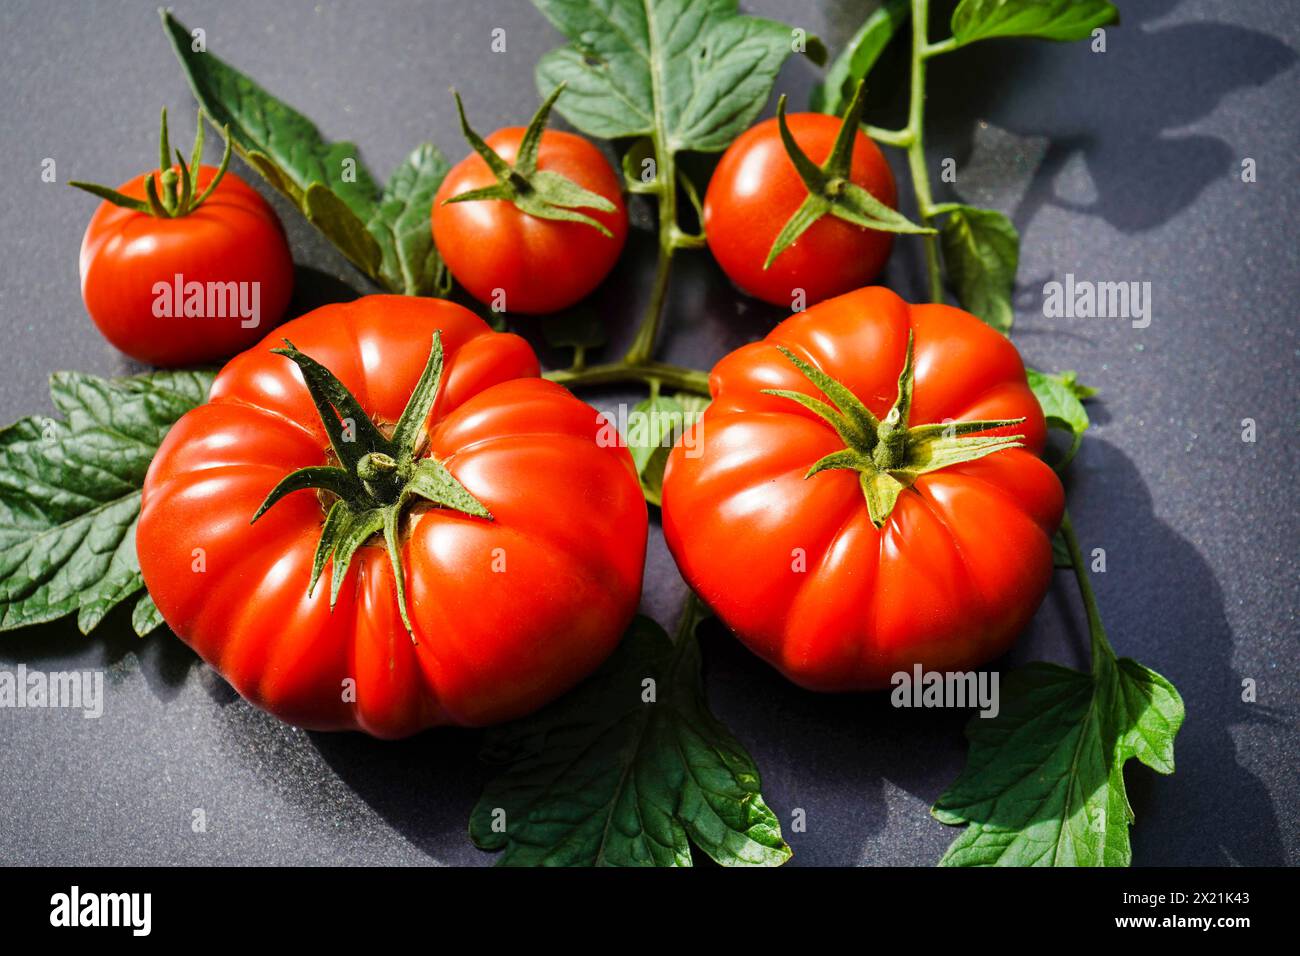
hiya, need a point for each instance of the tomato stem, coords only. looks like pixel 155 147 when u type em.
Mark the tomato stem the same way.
pixel 638 365
pixel 1101 648
pixel 942 46
pixel 616 373
pixel 177 195
pixel 899 138
pixel 912 139
pixel 579 358
pixel 915 136
pixel 693 612
pixel 671 238
pixel 642 347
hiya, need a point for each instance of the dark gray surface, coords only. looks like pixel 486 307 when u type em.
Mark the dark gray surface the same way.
pixel 1115 166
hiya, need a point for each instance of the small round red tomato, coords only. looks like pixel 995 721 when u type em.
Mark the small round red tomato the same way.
pixel 865 494
pixel 549 225
pixel 441 537
pixel 756 189
pixel 194 287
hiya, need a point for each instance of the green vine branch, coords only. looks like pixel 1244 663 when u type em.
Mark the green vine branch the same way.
pixel 638 364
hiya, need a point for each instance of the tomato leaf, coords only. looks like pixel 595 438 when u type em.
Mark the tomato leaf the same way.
pixel 692 76
pixel 400 223
pixel 652 422
pixel 1044 782
pixel 604 778
pixel 1045 19
pixel 385 235
pixel 1061 397
pixel 70 494
pixel 145 616
pixel 833 94
pixel 981 251
pixel 260 123
pixel 286 148
pixel 652 473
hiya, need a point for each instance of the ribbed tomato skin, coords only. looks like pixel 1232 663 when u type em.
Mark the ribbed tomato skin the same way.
pixel 794 565
pixel 507 613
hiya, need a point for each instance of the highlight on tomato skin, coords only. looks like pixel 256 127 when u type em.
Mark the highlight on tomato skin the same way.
pixel 755 190
pixel 922 538
pixel 442 565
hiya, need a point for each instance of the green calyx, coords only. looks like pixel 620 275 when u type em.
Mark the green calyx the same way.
pixel 169 193
pixel 831 190
pixel 376 476
pixel 537 192
pixel 888 454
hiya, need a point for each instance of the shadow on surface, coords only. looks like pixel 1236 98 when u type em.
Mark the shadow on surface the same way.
pixel 839 757
pixel 1124 112
pixel 164 660
pixel 313 288
pixel 424 786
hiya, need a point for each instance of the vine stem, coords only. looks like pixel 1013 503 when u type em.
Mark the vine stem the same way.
pixel 1100 645
pixel 643 345
pixel 669 238
pixel 914 137
pixel 647 373
pixel 638 364
pixel 890 137
pixel 693 611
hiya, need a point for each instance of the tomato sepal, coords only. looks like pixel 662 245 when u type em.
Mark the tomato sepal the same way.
pixel 888 454
pixel 177 196
pixel 377 476
pixel 542 193
pixel 831 190
pixel 326 477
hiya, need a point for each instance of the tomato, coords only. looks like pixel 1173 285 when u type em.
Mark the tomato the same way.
pixel 511 253
pixel 754 192
pixel 131 261
pixel 510 592
pixel 917 541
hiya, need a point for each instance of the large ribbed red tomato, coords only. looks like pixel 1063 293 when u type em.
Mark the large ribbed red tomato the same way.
pixel 516 589
pixel 915 539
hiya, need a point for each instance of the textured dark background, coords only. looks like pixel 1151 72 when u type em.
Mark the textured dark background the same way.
pixel 1117 166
